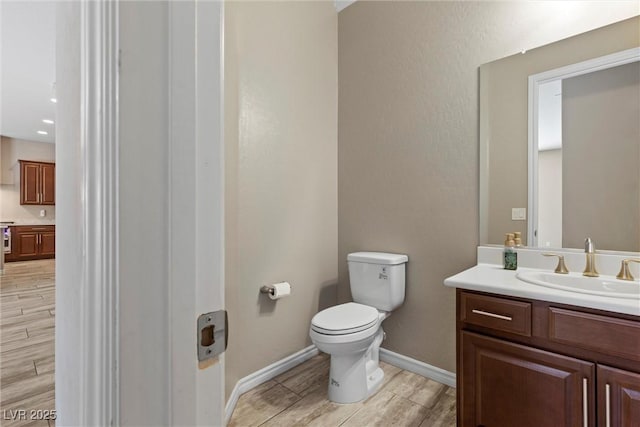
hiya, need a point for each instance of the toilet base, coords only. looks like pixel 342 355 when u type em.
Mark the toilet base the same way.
pixel 354 377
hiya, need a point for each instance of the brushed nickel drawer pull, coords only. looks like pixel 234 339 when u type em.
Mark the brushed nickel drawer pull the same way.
pixel 497 316
pixel 608 404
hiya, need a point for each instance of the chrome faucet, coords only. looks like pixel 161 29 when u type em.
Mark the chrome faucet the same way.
pixel 590 250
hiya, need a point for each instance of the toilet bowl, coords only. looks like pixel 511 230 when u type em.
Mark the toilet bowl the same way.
pixel 352 332
pixel 354 347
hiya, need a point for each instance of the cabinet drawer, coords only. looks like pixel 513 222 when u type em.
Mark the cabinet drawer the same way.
pixel 501 314
pixel 34 228
pixel 595 332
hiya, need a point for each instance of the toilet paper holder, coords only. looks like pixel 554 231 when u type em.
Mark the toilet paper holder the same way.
pixel 277 290
pixel 267 289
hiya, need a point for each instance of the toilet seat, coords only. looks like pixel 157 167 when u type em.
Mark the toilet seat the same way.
pixel 345 319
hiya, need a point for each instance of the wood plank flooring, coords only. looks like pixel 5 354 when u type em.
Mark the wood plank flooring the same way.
pixel 298 397
pixel 27 315
pixel 295 398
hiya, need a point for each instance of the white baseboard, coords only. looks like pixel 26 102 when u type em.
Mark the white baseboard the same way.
pixel 418 367
pixel 265 374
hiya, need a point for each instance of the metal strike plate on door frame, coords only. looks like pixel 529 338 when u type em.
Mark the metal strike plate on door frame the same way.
pixel 212 334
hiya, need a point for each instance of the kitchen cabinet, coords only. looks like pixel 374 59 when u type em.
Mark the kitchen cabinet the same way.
pixel 37 183
pixel 533 363
pixel 32 242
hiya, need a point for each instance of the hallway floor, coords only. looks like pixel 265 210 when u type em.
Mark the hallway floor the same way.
pixel 27 310
pixel 298 398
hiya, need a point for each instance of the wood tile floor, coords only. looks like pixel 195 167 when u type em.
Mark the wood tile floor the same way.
pixel 27 310
pixel 298 398
pixel 295 398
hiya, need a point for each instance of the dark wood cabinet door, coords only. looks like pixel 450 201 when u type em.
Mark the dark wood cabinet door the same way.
pixel 27 245
pixel 37 183
pixel 618 397
pixel 47 243
pixel 48 184
pixel 32 242
pixel 511 385
pixel 29 183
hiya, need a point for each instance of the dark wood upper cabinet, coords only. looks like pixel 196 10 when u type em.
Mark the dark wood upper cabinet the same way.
pixel 37 183
pixel 48 183
pixel 29 183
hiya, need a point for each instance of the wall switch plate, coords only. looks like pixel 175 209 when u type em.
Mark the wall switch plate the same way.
pixel 43 213
pixel 519 214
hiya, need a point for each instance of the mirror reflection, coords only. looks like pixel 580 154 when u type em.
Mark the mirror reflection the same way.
pixel 563 162
pixel 584 154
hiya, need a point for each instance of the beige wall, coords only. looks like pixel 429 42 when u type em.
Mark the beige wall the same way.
pixel 408 140
pixel 507 120
pixel 13 150
pixel 281 175
pixel 601 158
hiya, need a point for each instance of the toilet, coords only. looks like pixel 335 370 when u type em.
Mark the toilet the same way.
pixel 352 333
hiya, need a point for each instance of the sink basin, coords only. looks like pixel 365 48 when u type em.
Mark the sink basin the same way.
pixel 574 282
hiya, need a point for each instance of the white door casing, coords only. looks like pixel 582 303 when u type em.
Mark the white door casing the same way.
pixel 87 222
pixel 197 209
pixel 91 321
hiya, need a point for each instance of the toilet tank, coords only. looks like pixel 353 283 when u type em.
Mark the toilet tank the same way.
pixel 377 279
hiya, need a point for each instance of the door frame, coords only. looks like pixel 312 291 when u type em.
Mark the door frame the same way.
pixel 88 380
pixel 196 217
pixel 87 241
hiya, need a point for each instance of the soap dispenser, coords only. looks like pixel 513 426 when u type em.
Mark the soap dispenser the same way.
pixel 510 254
pixel 517 239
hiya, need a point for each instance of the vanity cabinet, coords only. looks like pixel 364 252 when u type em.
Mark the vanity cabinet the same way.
pixel 620 404
pixel 533 363
pixel 37 183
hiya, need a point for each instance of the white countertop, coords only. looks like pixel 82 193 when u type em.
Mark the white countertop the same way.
pixel 494 279
pixel 35 222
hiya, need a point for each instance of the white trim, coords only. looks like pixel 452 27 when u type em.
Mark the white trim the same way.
pixel 265 374
pixel 532 163
pixel 196 205
pixel 484 158
pixel 418 367
pixel 535 80
pixel 343 4
pixel 98 373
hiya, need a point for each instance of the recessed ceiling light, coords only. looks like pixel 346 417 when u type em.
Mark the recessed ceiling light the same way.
pixel 41 132
pixel 47 121
pixel 54 100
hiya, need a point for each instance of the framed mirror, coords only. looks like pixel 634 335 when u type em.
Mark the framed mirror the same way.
pixel 594 199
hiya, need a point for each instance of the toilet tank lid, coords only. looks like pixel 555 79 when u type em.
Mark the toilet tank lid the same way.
pixel 378 258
